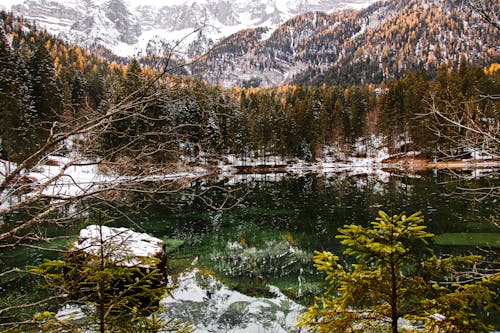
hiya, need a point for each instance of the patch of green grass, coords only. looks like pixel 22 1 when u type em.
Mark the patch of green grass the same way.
pixel 469 239
pixel 172 244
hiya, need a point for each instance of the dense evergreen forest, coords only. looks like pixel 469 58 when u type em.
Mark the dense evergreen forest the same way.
pixel 47 82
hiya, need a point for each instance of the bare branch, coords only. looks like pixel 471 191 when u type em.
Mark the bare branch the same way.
pixel 488 10
pixel 466 125
pixel 33 304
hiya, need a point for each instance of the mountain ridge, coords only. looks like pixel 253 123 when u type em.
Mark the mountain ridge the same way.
pixel 129 28
pixel 372 45
pixel 368 45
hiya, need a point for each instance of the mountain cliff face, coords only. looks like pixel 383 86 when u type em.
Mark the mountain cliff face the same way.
pixel 129 29
pixel 274 42
pixel 380 42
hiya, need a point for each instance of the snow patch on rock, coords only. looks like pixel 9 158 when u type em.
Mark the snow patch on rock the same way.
pixel 124 246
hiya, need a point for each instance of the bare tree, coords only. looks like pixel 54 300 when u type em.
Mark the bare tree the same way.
pixel 469 125
pixel 73 171
pixel 469 129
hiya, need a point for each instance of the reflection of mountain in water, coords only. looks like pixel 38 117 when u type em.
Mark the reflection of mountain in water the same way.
pixel 213 307
pixel 273 259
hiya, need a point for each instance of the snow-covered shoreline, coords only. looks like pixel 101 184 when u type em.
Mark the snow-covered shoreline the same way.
pixel 64 177
pixel 73 176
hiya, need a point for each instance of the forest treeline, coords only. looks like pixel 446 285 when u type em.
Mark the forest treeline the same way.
pixel 300 121
pixel 46 82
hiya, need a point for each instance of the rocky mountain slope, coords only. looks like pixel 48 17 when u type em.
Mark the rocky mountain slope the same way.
pixel 274 42
pixel 380 42
pixel 132 28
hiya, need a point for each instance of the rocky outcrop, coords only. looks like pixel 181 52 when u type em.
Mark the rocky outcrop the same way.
pixel 121 246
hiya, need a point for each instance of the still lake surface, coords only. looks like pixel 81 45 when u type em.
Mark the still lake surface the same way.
pixel 272 223
pixel 278 220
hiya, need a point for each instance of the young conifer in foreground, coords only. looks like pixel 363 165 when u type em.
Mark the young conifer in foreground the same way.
pixel 112 286
pixel 392 277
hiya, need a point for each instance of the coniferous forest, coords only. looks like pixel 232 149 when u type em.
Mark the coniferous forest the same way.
pixel 46 80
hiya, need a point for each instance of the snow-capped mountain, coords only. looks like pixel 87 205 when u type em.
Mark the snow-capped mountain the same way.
pixel 138 26
pixel 377 43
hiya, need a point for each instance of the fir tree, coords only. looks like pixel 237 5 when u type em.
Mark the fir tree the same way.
pixel 394 274
pixel 78 86
pixel 124 290
pixel 45 93
pixel 16 105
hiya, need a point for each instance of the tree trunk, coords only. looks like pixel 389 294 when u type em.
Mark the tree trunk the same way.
pixel 394 299
pixel 102 319
pixel 100 286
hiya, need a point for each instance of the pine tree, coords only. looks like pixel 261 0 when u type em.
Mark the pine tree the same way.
pixel 127 130
pixel 125 291
pixel 394 274
pixel 213 131
pixel 134 79
pixel 95 87
pixel 16 105
pixel 78 86
pixel 7 101
pixel 45 93
pixel 192 118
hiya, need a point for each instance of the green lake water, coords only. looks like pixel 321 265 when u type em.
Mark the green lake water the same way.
pixel 275 212
pixel 272 223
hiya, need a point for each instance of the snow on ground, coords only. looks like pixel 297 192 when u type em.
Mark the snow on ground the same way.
pixel 56 177
pixel 64 177
pixel 7 4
